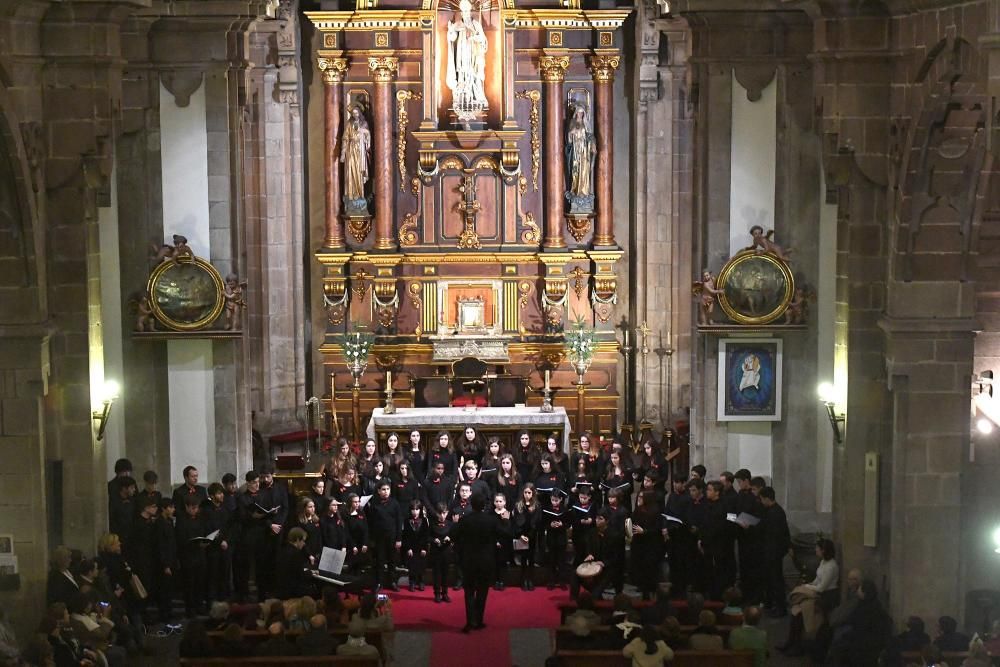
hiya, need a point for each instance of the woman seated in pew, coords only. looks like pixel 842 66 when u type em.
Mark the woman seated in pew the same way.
pixel 232 644
pixel 672 633
pixel 706 636
pixel 648 650
pixel 195 642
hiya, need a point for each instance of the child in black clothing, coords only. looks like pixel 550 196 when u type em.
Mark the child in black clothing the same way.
pixel 192 547
pixel 439 549
pixel 385 521
pixel 416 535
pixel 554 523
pixel 504 546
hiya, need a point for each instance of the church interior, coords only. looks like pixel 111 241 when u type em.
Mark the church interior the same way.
pixel 756 235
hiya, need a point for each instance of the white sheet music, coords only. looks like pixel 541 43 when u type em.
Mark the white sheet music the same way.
pixel 331 561
pixel 364 501
pixel 214 534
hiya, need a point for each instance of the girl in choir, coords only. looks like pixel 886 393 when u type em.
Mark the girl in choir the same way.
pixel 491 459
pixel 651 460
pixel 377 474
pixel 368 457
pixel 415 541
pixel 525 456
pixel 508 481
pixel 553 448
pixel 470 446
pixel 648 534
pixel 346 484
pixel 405 487
pixel 357 530
pixel 333 528
pixel 307 519
pixel 439 552
pixel 504 546
pixel 581 477
pixel 392 454
pixel 585 451
pixel 554 525
pixel 443 453
pixel 526 515
pixel 617 478
pixel 415 455
pixel 548 478
pixel 319 495
pixel 342 459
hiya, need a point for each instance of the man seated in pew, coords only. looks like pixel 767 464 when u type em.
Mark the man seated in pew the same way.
pixel 316 640
pixel 750 637
pixel 356 643
pixel 648 650
pixel 276 644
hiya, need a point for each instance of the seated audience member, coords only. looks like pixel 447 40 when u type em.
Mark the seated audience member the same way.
pixel 978 655
pixel 375 618
pixel 865 632
pixel 695 603
pixel 218 616
pixel 195 642
pixel 232 645
pixel 333 609
pixel 581 636
pixel 749 637
pixel 809 602
pixel 316 640
pixel 65 653
pixel 302 613
pixel 356 643
pixel 672 634
pixel 585 610
pixel 622 605
pixel 660 609
pixel 62 585
pixel 949 639
pixel 629 625
pixel 648 650
pixel 911 640
pixel 94 630
pixel 38 652
pixel 993 640
pixel 706 636
pixel 276 644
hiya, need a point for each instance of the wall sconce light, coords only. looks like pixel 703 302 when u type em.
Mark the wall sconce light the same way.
pixel 109 392
pixel 828 395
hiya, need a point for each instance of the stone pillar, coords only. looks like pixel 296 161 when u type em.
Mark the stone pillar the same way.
pixel 333 74
pixel 603 67
pixel 383 68
pixel 553 69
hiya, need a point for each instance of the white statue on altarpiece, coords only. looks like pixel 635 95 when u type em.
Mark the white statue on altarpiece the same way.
pixel 466 64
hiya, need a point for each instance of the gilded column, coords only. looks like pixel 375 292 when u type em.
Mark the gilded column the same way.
pixel 382 69
pixel 553 69
pixel 602 67
pixel 333 74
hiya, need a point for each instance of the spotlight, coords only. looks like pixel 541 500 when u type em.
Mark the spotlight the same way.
pixel 828 395
pixel 984 426
pixel 827 392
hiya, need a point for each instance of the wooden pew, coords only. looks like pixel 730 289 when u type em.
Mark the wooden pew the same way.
pixel 607 606
pixel 608 635
pixel 299 661
pixel 681 659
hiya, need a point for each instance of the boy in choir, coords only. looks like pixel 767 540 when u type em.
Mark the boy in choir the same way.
pixel 555 522
pixel 651 483
pixel 385 521
pixel 166 548
pixel 679 543
pixel 416 535
pixel 582 513
pixel 255 524
pixel 274 496
pixel 504 547
pixel 602 546
pixel 123 469
pixel 438 488
pixel 438 551
pixel 142 543
pixel 616 513
pixel 150 481
pixel 718 540
pixel 470 476
pixel 777 543
pixel 231 487
pixel 460 506
pixel 703 565
pixel 219 519
pixel 192 547
pixel 748 539
pixel 122 510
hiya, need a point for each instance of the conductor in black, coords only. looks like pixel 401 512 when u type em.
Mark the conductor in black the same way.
pixel 478 533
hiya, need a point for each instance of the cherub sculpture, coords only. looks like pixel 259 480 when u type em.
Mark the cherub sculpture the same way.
pixel 180 250
pixel 798 308
pixel 144 320
pixel 764 243
pixel 233 293
pixel 706 292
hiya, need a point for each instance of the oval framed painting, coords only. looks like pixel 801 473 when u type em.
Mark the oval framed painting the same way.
pixel 186 295
pixel 756 288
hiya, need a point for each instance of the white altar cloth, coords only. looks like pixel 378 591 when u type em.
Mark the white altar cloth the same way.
pixel 405 419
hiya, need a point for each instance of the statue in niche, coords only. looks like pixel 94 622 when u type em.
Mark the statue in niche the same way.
pixel 233 293
pixel 706 291
pixel 581 148
pixel 356 143
pixel 466 74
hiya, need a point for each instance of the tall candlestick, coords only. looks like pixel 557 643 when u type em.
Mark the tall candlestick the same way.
pixel 548 375
pixel 388 379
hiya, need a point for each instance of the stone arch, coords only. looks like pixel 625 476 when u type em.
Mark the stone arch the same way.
pixel 22 257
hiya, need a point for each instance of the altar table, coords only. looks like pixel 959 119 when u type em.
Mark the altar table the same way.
pixel 489 420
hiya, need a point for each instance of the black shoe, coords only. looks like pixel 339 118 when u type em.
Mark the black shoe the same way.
pixel 445 598
pixel 410 587
pixel 531 585
pixel 420 586
pixel 437 597
pixel 395 587
pixel 466 629
pixel 550 586
pixel 457 586
pixel 501 586
pixel 562 586
pixel 496 586
pixel 479 626
pixel 524 585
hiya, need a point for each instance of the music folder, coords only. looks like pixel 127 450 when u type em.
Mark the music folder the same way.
pixel 331 563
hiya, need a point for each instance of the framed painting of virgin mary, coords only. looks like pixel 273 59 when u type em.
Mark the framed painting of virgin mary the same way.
pixel 749 379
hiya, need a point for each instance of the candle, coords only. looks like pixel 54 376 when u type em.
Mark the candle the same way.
pixel 626 337
pixel 388 379
pixel 548 374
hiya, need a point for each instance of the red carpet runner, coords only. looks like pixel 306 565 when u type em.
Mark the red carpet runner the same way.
pixel 505 610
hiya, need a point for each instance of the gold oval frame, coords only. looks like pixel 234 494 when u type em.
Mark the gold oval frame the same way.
pixel 220 299
pixel 744 256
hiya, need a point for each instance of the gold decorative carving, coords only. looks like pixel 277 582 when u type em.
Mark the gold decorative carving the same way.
pixel 452 162
pixel 603 66
pixel 605 38
pixel 329 40
pixel 333 69
pixel 469 208
pixel 605 296
pixel 486 162
pixel 383 68
pixel 522 185
pixel 553 68
pixel 579 281
pixel 579 226
pixel 359 226
pixel 408 230
pixel 534 118
pixel 555 38
pixel 415 290
pixel 381 40
pixel 359 283
pixel 402 119
pixel 524 288
pixel 531 233
pixel 415 186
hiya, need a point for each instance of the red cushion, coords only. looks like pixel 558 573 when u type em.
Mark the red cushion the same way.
pixel 294 436
pixel 463 401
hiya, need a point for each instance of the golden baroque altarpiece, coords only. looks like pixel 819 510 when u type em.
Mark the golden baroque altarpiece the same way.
pixel 468 179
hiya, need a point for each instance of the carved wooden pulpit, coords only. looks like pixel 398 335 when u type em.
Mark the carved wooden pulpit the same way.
pixel 479 170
